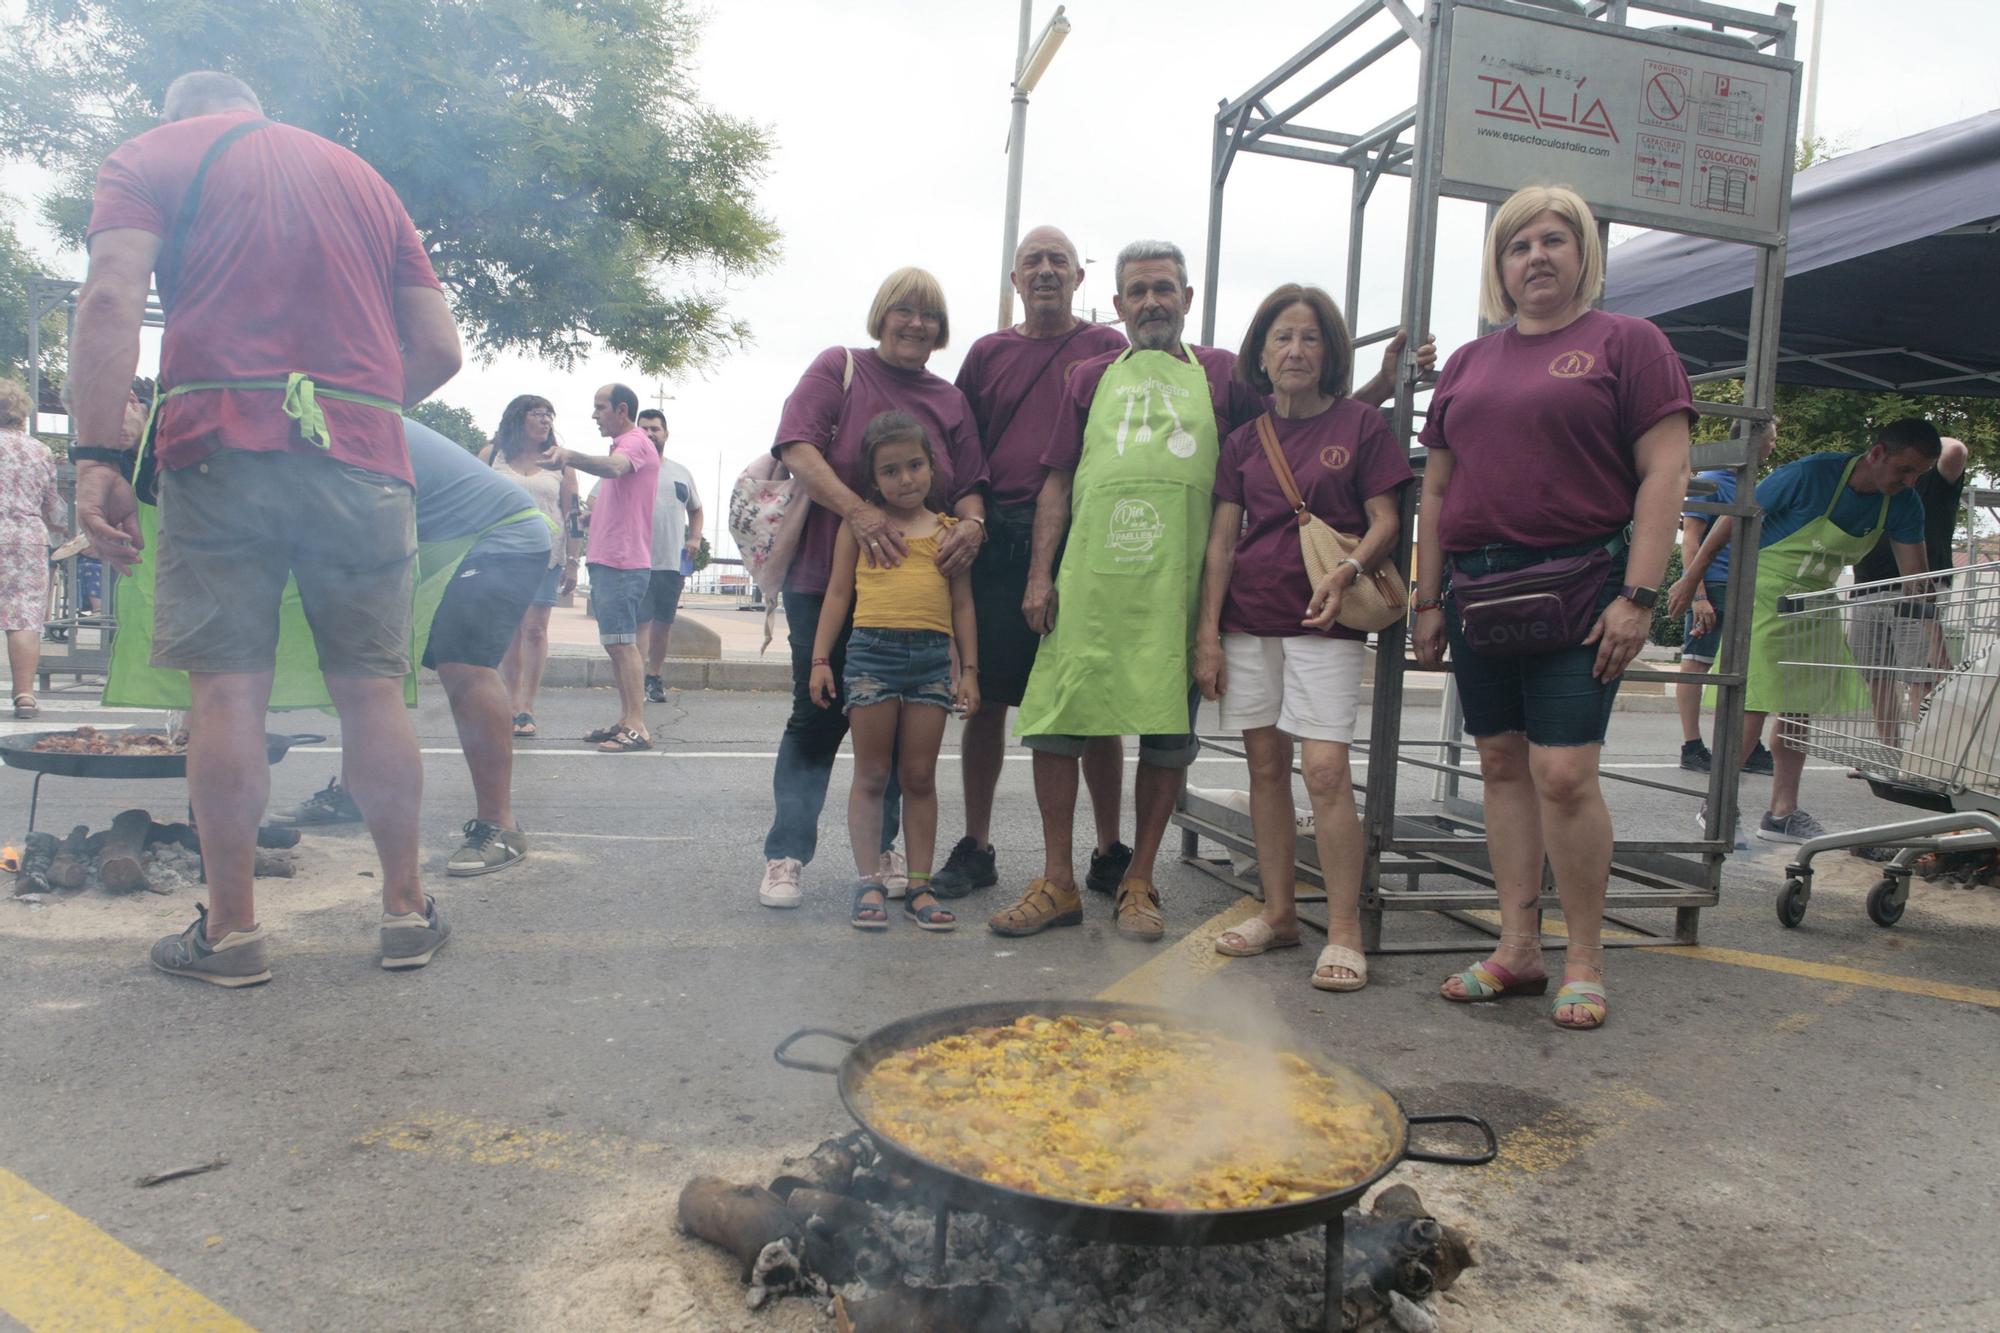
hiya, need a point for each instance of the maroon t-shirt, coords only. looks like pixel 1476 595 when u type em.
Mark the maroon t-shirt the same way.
pixel 1541 428
pixel 291 265
pixel 819 413
pixel 1340 459
pixel 1009 370
pixel 1235 403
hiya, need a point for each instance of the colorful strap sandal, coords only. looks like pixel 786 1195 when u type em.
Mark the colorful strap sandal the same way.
pixel 868 916
pixel 1490 981
pixel 1585 995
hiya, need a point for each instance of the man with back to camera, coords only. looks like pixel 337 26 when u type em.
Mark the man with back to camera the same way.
pixel 620 554
pixel 302 315
pixel 677 522
pixel 1821 514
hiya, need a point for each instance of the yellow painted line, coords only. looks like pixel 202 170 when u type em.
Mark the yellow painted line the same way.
pixel 1798 967
pixel 1183 965
pixel 60 1274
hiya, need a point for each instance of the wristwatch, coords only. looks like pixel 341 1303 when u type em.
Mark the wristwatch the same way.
pixel 1643 598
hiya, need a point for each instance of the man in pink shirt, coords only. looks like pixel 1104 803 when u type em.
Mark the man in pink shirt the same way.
pixel 621 553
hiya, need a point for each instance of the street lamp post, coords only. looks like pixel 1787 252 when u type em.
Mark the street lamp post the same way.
pixel 1030 60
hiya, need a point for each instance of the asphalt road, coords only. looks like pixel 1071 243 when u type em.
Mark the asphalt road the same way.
pixel 1783 1128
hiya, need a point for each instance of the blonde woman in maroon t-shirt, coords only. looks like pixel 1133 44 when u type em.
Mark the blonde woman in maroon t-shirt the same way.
pixel 1563 433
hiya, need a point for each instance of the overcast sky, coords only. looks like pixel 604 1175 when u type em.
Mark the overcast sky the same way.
pixel 890 117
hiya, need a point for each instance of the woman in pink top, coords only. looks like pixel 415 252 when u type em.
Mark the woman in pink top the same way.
pixel 1562 434
pixel 30 509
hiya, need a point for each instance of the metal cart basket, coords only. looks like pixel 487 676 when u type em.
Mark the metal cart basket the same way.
pixel 1901 682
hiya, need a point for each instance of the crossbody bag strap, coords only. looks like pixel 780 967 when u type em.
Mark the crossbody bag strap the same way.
pixel 167 268
pixel 1006 419
pixel 1267 435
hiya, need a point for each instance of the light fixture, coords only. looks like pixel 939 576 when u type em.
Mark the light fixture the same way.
pixel 1043 52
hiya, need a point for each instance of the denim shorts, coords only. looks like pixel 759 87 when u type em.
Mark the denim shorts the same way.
pixel 615 598
pixel 1704 647
pixel 883 665
pixel 546 591
pixel 1554 698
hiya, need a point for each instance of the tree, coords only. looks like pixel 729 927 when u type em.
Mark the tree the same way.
pixel 454 423
pixel 554 154
pixel 16 267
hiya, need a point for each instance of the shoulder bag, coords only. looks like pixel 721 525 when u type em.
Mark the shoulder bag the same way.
pixel 1374 601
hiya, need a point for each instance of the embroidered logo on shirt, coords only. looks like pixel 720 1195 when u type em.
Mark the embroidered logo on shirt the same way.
pixel 1334 457
pixel 1135 526
pixel 1572 365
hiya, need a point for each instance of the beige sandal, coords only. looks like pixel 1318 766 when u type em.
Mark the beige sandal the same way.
pixel 26 707
pixel 1257 937
pixel 1338 955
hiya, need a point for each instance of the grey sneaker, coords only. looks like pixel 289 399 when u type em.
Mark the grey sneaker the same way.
pixel 1701 822
pixel 656 690
pixel 329 805
pixel 488 848
pixel 1107 869
pixel 1798 826
pixel 237 959
pixel 409 940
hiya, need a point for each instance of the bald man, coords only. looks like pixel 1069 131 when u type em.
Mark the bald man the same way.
pixel 1014 380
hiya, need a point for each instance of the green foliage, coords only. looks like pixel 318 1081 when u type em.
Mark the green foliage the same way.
pixel 1668 631
pixel 16 267
pixel 572 187
pixel 454 423
pixel 1813 420
pixel 701 556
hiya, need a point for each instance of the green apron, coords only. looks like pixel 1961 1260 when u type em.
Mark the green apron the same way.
pixel 132 681
pixel 1807 561
pixel 1129 590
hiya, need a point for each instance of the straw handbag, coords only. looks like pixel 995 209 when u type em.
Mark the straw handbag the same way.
pixel 1374 601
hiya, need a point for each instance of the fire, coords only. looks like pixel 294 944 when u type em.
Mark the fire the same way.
pixel 10 859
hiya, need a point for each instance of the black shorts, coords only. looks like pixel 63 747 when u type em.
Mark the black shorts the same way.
pixel 999 581
pixel 663 597
pixel 482 607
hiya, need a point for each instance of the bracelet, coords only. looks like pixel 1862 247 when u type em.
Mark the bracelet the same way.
pixel 1434 604
pixel 92 453
pixel 1360 572
pixel 974 668
pixel 974 518
pixel 823 661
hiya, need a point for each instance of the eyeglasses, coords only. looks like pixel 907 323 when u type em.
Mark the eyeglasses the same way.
pixel 545 414
pixel 909 312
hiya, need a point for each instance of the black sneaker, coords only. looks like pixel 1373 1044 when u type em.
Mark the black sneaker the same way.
pixel 656 690
pixel 1758 761
pixel 1107 869
pixel 329 805
pixel 968 867
pixel 1695 757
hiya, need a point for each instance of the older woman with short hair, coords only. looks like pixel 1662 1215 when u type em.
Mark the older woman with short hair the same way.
pixel 1267 643
pixel 819 440
pixel 1563 435
pixel 30 508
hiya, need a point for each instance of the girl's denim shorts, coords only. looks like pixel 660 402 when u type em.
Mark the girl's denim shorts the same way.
pixel 913 665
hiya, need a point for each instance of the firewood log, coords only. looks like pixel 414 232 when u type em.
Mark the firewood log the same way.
pixel 121 863
pixel 742 1219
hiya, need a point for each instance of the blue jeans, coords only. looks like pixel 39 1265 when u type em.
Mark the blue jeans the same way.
pixel 811 740
pixel 1552 697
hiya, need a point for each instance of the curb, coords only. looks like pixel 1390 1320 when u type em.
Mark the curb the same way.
pixel 680 673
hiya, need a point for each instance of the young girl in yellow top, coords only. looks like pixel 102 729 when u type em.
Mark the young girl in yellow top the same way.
pixel 899 679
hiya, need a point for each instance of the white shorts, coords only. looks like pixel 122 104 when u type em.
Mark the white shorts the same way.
pixel 1307 686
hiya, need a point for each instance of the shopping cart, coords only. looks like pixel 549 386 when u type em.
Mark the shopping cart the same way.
pixel 1902 684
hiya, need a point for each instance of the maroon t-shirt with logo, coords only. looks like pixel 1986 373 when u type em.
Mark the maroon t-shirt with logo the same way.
pixel 1340 459
pixel 1541 428
pixel 1234 401
pixel 291 265
pixel 1009 370
pixel 833 421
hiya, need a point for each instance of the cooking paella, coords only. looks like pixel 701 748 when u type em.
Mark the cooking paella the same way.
pixel 1138 1115
pixel 89 740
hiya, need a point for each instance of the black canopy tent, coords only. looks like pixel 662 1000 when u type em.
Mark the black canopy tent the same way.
pixel 1892 273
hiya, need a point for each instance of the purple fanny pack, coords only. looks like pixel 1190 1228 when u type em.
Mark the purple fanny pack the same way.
pixel 1541 608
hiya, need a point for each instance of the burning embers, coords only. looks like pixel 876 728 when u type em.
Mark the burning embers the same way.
pixel 843 1225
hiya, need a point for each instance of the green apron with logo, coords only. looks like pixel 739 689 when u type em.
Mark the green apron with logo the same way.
pixel 1129 590
pixel 1807 561
pixel 132 680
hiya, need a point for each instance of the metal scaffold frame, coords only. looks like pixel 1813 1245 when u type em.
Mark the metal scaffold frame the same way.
pixel 1436 859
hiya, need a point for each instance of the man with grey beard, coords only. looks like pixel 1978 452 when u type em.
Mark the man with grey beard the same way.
pixel 1131 475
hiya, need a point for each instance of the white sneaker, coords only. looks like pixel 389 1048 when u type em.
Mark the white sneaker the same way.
pixel 895 874
pixel 781 883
